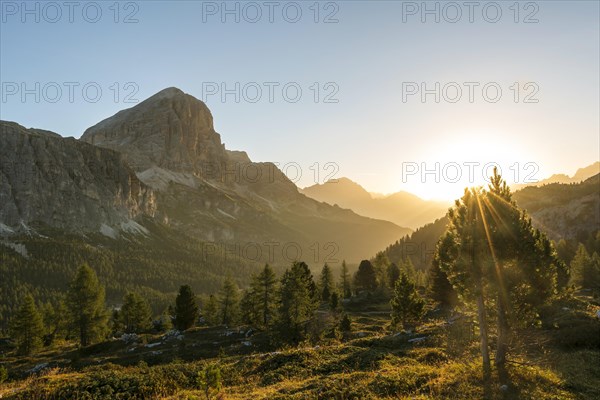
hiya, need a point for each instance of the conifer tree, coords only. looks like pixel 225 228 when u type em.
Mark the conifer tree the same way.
pixel 85 301
pixel 366 277
pixel 439 287
pixel 229 302
pixel 186 309
pixel 345 281
pixel 263 297
pixel 393 274
pixel 585 269
pixel 56 321
pixel 211 311
pixel 135 314
pixel 27 327
pixel 407 306
pixel 326 283
pixel 492 254
pixel 297 302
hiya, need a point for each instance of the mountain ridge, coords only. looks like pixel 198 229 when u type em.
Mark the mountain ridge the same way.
pixel 402 208
pixel 204 190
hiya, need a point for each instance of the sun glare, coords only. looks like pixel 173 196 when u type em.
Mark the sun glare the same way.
pixel 467 160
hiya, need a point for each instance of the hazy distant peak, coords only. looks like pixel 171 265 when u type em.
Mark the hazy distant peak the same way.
pixel 586 172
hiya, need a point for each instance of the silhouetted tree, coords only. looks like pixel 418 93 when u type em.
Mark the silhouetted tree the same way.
pixel 186 309
pixel 366 277
pixel 345 281
pixel 393 273
pixel 440 289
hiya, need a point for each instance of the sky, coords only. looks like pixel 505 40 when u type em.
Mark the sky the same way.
pixel 422 97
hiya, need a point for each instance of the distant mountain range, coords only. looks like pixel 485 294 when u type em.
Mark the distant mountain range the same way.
pixel 402 208
pixel 580 175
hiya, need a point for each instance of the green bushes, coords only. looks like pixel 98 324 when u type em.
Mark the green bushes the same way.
pixel 3 374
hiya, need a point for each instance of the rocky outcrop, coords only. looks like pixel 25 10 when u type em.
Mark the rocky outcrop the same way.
pixel 171 130
pixel 65 183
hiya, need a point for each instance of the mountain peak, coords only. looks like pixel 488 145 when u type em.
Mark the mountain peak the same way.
pixel 170 129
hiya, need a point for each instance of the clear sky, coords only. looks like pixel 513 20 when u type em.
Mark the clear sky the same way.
pixel 370 61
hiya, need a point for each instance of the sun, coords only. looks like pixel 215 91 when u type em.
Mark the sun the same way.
pixel 463 160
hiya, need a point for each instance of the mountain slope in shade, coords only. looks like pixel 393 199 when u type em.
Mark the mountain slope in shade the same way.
pixel 402 208
pixel 561 210
pixel 64 183
pixel 222 196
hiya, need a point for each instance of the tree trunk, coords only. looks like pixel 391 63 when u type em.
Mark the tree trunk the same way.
pixel 483 335
pixel 503 339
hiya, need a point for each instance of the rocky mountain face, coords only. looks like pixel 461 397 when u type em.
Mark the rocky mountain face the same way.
pixel 65 183
pixel 163 160
pixel 402 208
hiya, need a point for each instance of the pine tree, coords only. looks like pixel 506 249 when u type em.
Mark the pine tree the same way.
pixel 408 268
pixel 440 289
pixel 334 302
pixel 407 306
pixel 345 281
pixel 209 380
pixel 393 274
pixel 55 321
pixel 491 253
pixel 186 309
pixel 366 276
pixel 229 302
pixel 263 297
pixel 135 314
pixel 85 301
pixel 164 322
pixel 297 302
pixel 211 311
pixel 585 271
pixel 380 263
pixel 27 328
pixel 346 323
pixel 326 283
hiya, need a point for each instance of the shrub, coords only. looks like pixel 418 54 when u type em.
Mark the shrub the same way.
pixel 3 374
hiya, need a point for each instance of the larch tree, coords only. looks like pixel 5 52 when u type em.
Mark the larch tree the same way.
pixel 27 327
pixel 229 302
pixel 210 312
pixel 85 301
pixel 326 283
pixel 407 306
pixel 263 293
pixel 135 314
pixel 298 301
